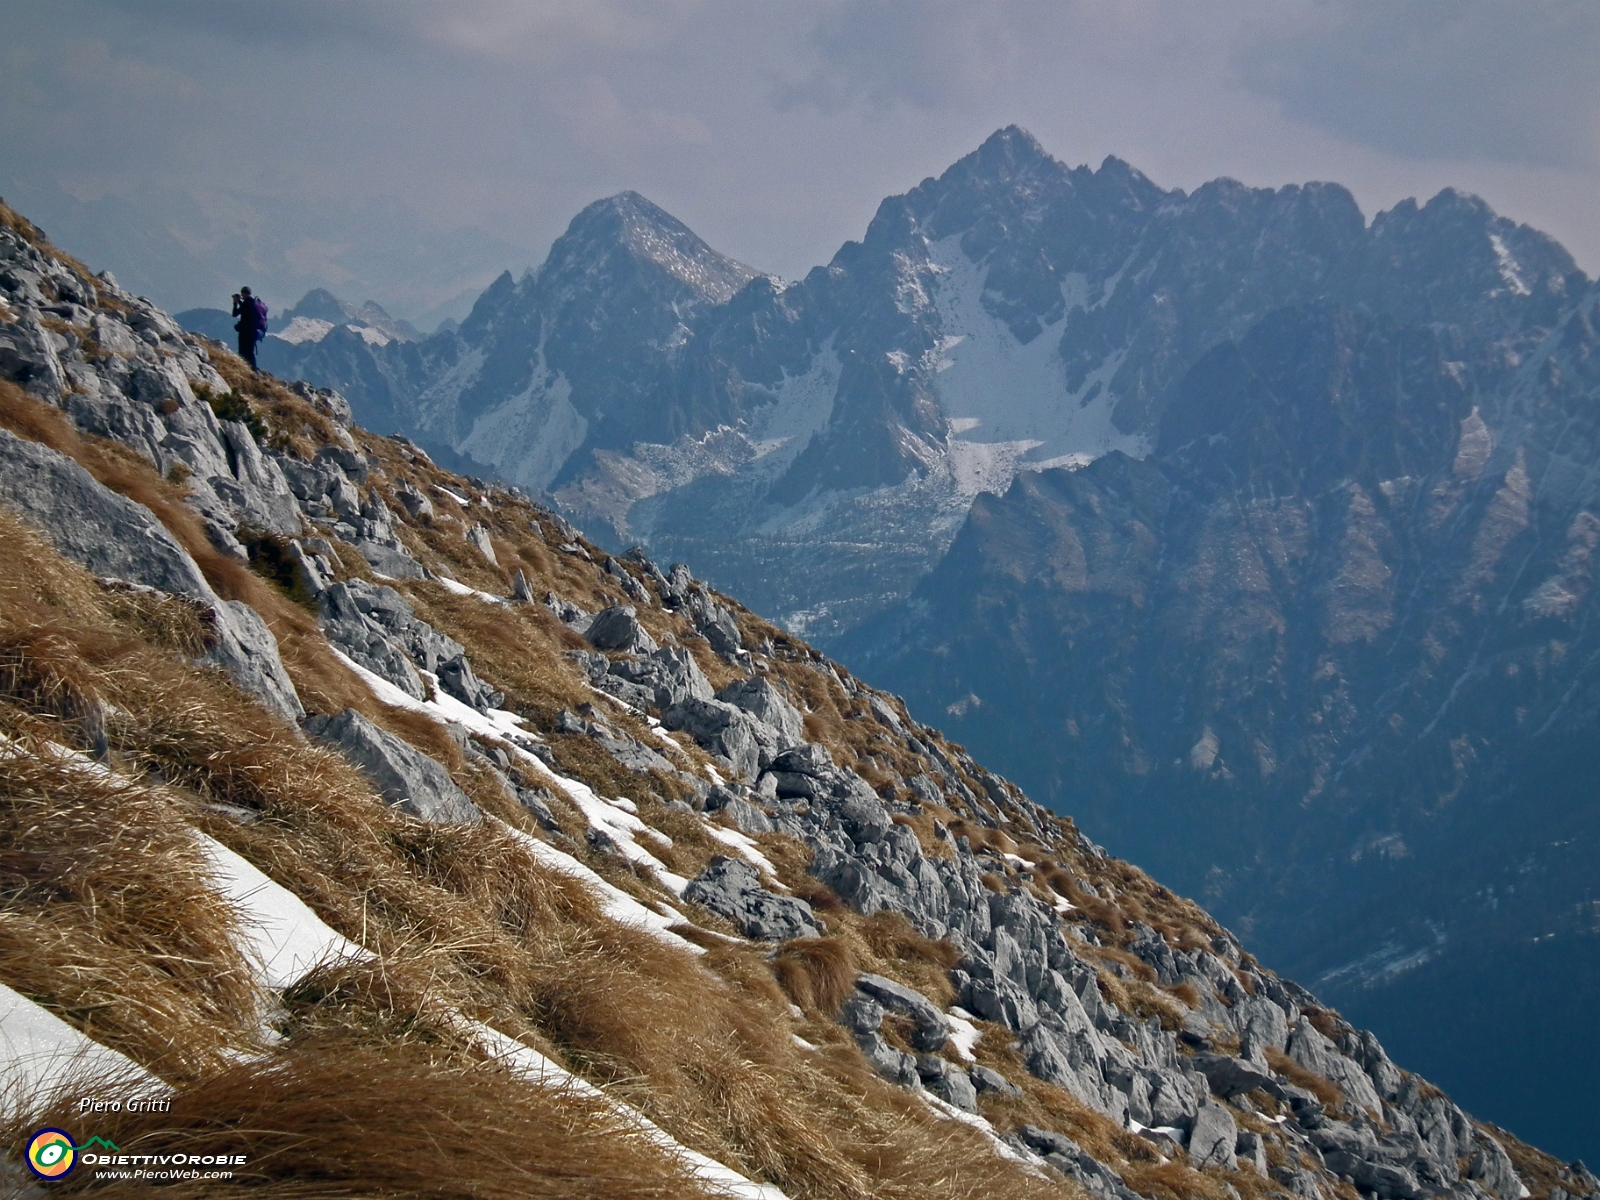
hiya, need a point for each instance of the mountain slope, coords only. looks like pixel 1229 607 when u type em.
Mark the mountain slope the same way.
pixel 365 856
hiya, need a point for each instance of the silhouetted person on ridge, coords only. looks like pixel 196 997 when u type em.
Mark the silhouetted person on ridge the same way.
pixel 252 324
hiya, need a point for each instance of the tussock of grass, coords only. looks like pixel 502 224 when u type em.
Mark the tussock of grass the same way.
pixel 108 915
pixel 344 1119
pixel 818 974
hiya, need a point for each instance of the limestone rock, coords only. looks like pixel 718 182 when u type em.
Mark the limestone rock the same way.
pixel 404 776
pixel 618 628
pixel 1212 1140
pixel 113 536
pixel 931 1030
pixel 732 887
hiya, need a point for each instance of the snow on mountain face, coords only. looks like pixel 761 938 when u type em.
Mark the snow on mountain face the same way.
pixel 1005 392
pixel 528 437
pixel 304 329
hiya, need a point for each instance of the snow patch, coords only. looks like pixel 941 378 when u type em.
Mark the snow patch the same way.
pixel 304 329
pixel 964 1035
pixel 530 435
pixel 1016 393
pixel 803 408
pixel 745 846
pixel 461 589
pixel 282 936
pixel 42 1057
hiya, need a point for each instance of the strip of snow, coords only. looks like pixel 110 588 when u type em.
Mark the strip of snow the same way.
pixel 282 936
pixel 665 738
pixel 461 500
pixel 614 902
pixel 497 723
pixel 534 1067
pixel 461 589
pixel 1002 1148
pixel 964 1035
pixel 611 819
pixel 1510 270
pixel 615 822
pixel 43 1058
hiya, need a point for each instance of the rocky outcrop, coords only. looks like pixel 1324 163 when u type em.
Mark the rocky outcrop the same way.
pixel 405 777
pixel 732 888
pixel 119 539
pixel 377 628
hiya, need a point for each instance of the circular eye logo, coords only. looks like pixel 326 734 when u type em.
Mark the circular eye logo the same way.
pixel 51 1153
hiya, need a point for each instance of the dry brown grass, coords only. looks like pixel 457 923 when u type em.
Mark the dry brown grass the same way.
pixel 1325 1021
pixel 1329 1093
pixel 818 974
pixel 343 1119
pixel 108 916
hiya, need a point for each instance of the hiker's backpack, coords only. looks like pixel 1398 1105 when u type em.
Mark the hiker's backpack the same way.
pixel 261 315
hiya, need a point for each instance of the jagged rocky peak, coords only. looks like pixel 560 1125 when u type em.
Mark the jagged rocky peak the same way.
pixel 319 304
pixel 626 229
pixel 319 312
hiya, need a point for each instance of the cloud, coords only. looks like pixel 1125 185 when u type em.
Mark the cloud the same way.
pixel 501 30
pixel 1438 79
pixel 880 53
pixel 599 117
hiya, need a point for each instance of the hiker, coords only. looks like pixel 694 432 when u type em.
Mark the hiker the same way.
pixel 252 324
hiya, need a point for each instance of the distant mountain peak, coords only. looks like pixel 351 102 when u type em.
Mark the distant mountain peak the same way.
pixel 319 304
pixel 645 231
pixel 1015 144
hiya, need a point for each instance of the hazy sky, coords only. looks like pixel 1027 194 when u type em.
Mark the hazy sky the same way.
pixel 364 143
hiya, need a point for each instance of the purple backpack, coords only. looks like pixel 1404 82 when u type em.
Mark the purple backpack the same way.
pixel 261 315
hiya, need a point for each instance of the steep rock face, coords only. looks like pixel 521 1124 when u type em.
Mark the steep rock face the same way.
pixel 1325 657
